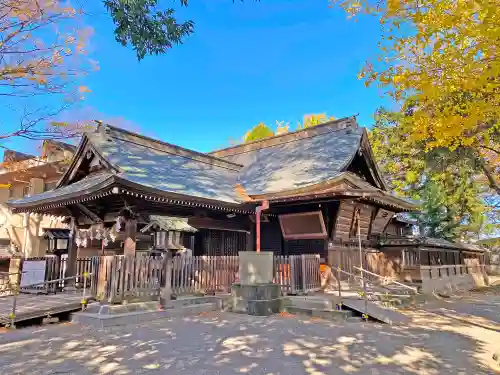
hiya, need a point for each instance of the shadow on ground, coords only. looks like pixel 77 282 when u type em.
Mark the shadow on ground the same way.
pixel 238 344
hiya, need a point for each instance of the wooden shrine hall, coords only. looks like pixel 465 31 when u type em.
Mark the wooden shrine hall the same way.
pixel 309 191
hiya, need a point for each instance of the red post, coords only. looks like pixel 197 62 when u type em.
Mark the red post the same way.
pixel 257 230
pixel 264 206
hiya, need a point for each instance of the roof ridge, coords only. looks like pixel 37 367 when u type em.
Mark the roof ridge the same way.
pixel 302 134
pixel 176 150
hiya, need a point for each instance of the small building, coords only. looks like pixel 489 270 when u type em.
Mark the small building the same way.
pixel 324 191
pixel 23 175
pixel 170 233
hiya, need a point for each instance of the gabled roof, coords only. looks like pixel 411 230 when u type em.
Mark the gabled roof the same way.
pixel 428 242
pixel 162 166
pixel 12 156
pixel 308 160
pixel 294 160
pixel 168 223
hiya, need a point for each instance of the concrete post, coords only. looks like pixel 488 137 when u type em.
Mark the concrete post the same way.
pixel 166 287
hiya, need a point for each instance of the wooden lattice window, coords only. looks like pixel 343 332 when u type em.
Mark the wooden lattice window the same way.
pixel 305 225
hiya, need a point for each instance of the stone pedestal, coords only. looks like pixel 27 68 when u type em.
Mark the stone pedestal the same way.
pixel 256 268
pixel 261 300
pixel 256 294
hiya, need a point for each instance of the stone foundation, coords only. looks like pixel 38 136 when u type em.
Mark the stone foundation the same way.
pixel 257 299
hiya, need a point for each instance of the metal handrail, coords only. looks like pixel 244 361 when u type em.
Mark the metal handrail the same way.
pixel 383 277
pixel 12 315
pixel 58 280
pixel 360 277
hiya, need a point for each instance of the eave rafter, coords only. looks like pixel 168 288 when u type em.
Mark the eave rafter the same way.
pixel 125 192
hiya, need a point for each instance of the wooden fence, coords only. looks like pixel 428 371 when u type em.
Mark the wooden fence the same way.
pixel 449 277
pixel 118 278
pixel 122 278
pixel 297 274
pixel 204 274
pixel 215 274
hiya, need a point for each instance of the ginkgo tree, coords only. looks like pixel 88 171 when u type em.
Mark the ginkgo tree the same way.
pixel 440 60
pixel 457 200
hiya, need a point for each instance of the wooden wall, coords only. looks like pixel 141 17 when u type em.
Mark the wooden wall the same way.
pixel 270 236
pixel 398 229
pixel 381 220
pixel 344 220
pixel 346 215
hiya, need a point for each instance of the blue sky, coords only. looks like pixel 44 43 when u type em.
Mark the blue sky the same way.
pixel 247 62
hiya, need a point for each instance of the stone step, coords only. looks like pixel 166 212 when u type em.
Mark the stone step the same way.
pixel 311 302
pixel 355 319
pixel 136 317
pixel 334 315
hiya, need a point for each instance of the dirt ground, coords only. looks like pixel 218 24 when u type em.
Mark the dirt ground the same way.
pixel 442 339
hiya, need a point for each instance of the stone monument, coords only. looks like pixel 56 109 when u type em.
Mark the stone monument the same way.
pixel 256 294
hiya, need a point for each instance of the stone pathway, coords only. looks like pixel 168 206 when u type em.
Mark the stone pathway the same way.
pixel 231 344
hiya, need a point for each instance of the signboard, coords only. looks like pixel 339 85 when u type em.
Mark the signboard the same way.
pixel 33 272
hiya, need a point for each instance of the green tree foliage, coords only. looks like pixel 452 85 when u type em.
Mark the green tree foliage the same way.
pixel 449 183
pixel 313 120
pixel 150 31
pixel 148 28
pixel 437 218
pixel 259 131
pixel 263 131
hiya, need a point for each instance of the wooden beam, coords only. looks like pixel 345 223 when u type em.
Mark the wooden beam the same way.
pixel 94 217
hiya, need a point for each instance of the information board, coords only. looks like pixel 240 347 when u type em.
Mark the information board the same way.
pixel 33 272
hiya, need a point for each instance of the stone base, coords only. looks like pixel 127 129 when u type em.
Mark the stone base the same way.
pixel 101 316
pixel 258 299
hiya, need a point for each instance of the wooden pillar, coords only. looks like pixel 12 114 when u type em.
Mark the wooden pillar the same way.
pixel 72 253
pixel 250 236
pixel 130 237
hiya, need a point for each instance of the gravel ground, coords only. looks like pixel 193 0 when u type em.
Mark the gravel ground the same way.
pixel 224 343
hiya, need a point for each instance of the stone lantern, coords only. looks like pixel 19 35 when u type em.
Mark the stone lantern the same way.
pixel 167 232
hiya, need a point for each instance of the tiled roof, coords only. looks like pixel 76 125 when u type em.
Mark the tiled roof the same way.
pixel 296 160
pixel 169 223
pixel 167 167
pixel 82 187
pixel 277 164
pixel 428 241
pixel 405 217
pixel 56 234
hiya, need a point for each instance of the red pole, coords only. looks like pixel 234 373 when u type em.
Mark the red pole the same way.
pixel 257 224
pixel 264 206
